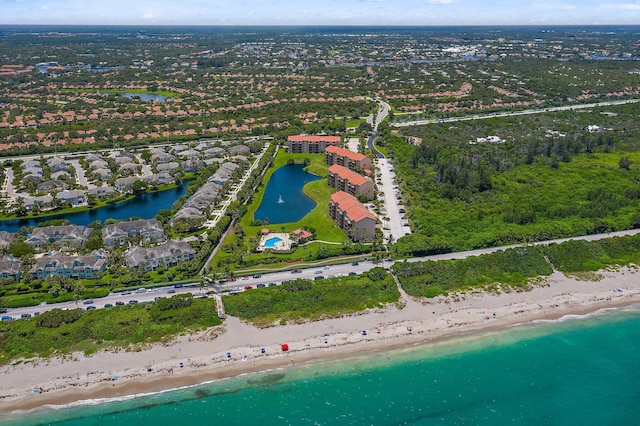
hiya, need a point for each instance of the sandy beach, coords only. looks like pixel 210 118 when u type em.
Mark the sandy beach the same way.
pixel 201 357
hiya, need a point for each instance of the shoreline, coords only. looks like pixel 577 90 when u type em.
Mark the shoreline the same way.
pixel 195 359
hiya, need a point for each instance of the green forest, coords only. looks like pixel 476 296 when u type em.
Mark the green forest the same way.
pixel 551 175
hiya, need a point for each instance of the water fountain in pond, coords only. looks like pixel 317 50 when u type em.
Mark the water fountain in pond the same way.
pixel 280 200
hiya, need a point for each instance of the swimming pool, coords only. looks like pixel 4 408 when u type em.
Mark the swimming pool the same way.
pixel 271 242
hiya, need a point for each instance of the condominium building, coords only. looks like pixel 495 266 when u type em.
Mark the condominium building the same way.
pixel 346 180
pixel 349 159
pixel 311 144
pixel 354 218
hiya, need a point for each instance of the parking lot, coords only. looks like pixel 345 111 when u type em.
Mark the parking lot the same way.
pixel 391 206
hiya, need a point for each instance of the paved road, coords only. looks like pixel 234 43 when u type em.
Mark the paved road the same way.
pixel 278 277
pixel 80 176
pixel 510 114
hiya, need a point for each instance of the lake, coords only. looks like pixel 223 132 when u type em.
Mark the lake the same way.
pixel 284 201
pixel 145 96
pixel 143 206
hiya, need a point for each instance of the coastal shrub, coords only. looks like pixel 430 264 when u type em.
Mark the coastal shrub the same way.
pixel 297 285
pixel 579 256
pixel 59 331
pixel 57 317
pixel 512 268
pixel 376 274
pixel 326 298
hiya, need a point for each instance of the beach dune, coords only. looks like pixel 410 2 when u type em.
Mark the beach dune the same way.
pixel 237 347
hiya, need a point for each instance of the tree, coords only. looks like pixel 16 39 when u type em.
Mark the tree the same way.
pixel 624 163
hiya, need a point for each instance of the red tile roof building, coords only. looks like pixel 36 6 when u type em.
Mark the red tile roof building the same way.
pixel 349 159
pixel 354 218
pixel 349 181
pixel 312 144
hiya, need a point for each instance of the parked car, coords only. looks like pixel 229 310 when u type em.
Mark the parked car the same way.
pixel 119 303
pixel 133 302
pixel 257 276
pixel 272 284
pixel 352 273
pixel 3 310
pixel 319 277
pixel 261 285
pixel 247 287
pixel 25 316
pixel 354 263
pixel 177 286
pixel 91 308
pixel 108 305
pixel 319 271
pixel 296 271
pixel 6 318
pixel 171 291
pixel 88 302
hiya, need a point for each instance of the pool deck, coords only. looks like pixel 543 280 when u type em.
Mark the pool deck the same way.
pixel 283 245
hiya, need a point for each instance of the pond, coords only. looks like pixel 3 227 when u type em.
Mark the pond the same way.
pixel 144 206
pixel 283 200
pixel 145 96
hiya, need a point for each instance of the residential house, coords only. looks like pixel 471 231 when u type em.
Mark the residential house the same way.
pixel 67 236
pixel 167 255
pixel 354 218
pixel 98 164
pixel 223 174
pixel 163 178
pixel 61 175
pixel 78 267
pixel 102 173
pixel 56 164
pixel 5 239
pixel 42 201
pixel 10 267
pixel 238 149
pixel 215 152
pixel 124 184
pixel 128 169
pixel 312 144
pixel 167 167
pixel 349 159
pixel 346 180
pixel 200 203
pixel 118 234
pixel 75 197
pixel 52 185
pixel 101 191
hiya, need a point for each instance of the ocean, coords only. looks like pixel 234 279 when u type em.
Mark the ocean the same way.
pixel 582 370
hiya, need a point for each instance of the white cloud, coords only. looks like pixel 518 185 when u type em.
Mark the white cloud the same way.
pixel 555 6
pixel 629 6
pixel 150 15
pixel 440 1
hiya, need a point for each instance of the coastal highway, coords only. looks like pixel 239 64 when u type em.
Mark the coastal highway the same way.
pixel 513 113
pixel 149 295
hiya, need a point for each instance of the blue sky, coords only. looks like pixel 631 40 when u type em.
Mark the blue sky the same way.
pixel 320 12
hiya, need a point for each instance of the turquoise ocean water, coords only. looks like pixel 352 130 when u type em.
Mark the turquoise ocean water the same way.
pixel 577 371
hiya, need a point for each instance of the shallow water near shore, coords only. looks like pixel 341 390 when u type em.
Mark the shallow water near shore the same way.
pixel 579 369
